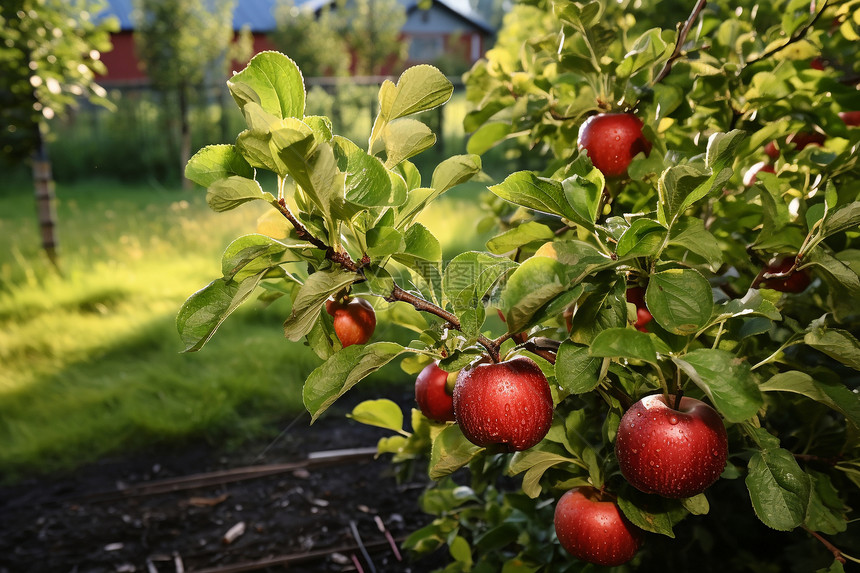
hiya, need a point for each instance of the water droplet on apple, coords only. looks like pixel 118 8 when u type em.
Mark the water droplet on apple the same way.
pixel 634 451
pixel 673 420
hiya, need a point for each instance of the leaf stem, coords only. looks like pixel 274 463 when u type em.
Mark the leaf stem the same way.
pixel 682 37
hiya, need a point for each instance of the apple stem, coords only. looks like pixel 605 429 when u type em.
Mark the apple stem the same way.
pixel 678 397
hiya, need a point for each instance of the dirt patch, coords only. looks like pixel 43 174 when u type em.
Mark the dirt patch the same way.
pixel 78 523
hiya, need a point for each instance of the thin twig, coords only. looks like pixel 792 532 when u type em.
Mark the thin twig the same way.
pixel 837 554
pixel 682 37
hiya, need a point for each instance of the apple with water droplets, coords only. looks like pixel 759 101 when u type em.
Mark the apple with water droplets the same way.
pixel 590 526
pixel 354 320
pixel 675 453
pixel 507 404
pixel 432 395
pixel 612 140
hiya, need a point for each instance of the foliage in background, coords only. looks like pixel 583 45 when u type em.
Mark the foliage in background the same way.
pixel 49 57
pixel 180 43
pixel 780 368
pixel 314 40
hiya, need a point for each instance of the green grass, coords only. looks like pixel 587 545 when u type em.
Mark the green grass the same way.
pixel 89 361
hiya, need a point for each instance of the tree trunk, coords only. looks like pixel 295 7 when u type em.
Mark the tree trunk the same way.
pixel 43 186
pixel 184 136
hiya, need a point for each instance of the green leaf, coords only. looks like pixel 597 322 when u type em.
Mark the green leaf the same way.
pixel 726 379
pixel 467 279
pixel 830 393
pixel 539 193
pixel 368 183
pixel 680 300
pixel 311 297
pixel 419 88
pixel 624 343
pixel 778 487
pixel 229 193
pixel 487 136
pixel 276 81
pixel 651 512
pixel 752 304
pixel 405 138
pixel 576 370
pixel 334 377
pixel 251 254
pixel 836 343
pixel 845 218
pixel 534 463
pixel 642 239
pixel 583 192
pixel 723 148
pixel 532 285
pixel 826 512
pixel 381 413
pixel 205 310
pixel 451 451
pixel 520 235
pixel 216 162
pixel 455 170
pixel 690 233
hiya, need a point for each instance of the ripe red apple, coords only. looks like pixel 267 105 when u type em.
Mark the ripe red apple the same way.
pixel 798 141
pixel 794 283
pixel 431 394
pixel 612 140
pixel 851 118
pixel 590 527
pixel 354 320
pixel 507 403
pixel 752 172
pixel 636 295
pixel 673 453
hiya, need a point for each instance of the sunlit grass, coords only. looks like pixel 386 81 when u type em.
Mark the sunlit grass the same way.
pixel 90 361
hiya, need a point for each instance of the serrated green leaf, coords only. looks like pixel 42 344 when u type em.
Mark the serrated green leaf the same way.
pixel 836 343
pixel 832 394
pixel 624 343
pixel 451 451
pixel 382 413
pixel 535 463
pixel 642 239
pixel 518 236
pixel 778 488
pixel 576 370
pixel 690 233
pixel 455 170
pixel 726 379
pixel 467 279
pixel 275 80
pixel 342 371
pixel 229 193
pixel 215 162
pixel 680 300
pixel 404 138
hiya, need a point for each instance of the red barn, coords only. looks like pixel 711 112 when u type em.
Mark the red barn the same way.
pixel 447 28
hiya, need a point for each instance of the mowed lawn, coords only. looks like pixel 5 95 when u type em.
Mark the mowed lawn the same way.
pixel 90 361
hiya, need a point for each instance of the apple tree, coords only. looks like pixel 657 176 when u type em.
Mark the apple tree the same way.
pixel 673 384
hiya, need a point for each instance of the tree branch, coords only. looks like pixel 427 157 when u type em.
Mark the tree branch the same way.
pixel 682 37
pixel 837 554
pixel 796 37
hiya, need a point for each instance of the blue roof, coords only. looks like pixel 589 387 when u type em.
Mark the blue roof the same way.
pixel 259 15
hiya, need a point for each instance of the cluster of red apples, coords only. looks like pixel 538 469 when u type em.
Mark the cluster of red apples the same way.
pixel 672 446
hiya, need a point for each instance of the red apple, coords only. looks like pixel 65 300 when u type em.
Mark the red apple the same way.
pixel 636 295
pixel 816 63
pixel 590 527
pixel 795 282
pixel 354 320
pixel 432 395
pixel 612 140
pixel 798 141
pixel 507 403
pixel 851 118
pixel 673 453
pixel 750 175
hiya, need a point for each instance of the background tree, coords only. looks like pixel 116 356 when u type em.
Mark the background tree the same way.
pixel 313 41
pixel 49 57
pixel 372 30
pixel 177 42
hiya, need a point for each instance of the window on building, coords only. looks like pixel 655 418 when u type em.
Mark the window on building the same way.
pixel 426 48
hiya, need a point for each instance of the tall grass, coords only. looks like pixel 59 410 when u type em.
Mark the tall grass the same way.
pixel 89 360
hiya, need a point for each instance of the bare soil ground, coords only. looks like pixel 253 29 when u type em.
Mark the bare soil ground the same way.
pixel 96 520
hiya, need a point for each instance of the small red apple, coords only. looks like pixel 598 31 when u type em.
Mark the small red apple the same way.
pixel 817 63
pixel 612 140
pixel 590 527
pixel 752 172
pixel 636 295
pixel 354 320
pixel 432 395
pixel 507 403
pixel 798 141
pixel 851 118
pixel 794 283
pixel 673 453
